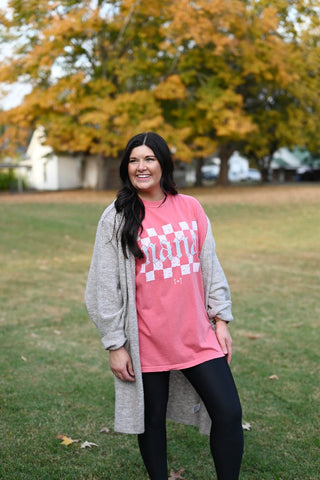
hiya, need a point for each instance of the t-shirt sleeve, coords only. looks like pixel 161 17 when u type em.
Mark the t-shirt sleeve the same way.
pixel 202 222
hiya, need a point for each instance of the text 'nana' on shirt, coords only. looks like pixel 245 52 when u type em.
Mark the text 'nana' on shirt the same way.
pixel 173 247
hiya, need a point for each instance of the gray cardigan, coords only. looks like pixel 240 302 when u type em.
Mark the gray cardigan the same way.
pixel 110 301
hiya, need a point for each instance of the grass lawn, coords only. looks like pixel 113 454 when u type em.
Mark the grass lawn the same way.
pixel 55 377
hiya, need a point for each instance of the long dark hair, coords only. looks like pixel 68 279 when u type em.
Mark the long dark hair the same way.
pixel 128 201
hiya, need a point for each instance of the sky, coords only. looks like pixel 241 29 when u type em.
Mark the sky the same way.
pixel 16 91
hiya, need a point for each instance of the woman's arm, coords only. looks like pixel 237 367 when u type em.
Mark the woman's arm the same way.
pixel 217 293
pixel 103 295
pixel 216 288
pixel 121 364
pixel 224 338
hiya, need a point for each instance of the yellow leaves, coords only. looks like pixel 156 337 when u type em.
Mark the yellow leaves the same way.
pixel 100 88
pixel 63 25
pixel 65 440
pixel 233 123
pixel 224 110
pixel 203 146
pixel 136 108
pixel 94 117
pixel 270 19
pixel 171 88
pixel 69 441
pixel 207 24
pixel 133 68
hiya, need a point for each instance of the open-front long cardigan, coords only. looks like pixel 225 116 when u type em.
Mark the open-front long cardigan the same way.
pixel 110 301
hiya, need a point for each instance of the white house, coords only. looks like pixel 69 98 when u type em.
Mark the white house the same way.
pixel 238 169
pixel 285 159
pixel 284 165
pixel 49 171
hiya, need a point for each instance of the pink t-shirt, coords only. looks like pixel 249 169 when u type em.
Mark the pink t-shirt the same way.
pixel 174 329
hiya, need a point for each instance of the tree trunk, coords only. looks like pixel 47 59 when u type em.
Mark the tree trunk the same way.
pixel 102 180
pixel 225 152
pixel 199 165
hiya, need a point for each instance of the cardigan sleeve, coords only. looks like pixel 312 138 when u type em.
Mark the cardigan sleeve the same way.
pixel 217 292
pixel 103 297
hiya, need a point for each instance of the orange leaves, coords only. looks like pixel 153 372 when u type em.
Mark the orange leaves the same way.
pixel 176 475
pixel 67 440
pixel 206 23
pixel 224 111
pixel 200 73
pixel 270 19
pixel 233 123
pixel 171 88
pixel 71 23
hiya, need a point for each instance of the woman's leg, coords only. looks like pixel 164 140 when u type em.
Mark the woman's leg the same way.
pixel 214 383
pixel 153 442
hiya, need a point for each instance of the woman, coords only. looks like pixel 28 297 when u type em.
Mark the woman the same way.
pixel 161 302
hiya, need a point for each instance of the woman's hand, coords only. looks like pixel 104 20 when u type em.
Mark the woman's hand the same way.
pixel 224 338
pixel 121 364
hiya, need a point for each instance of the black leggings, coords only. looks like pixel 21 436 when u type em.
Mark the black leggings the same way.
pixel 214 383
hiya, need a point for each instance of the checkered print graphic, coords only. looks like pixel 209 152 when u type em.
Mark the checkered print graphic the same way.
pixel 172 251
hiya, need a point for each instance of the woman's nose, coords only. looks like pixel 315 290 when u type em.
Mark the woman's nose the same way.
pixel 141 165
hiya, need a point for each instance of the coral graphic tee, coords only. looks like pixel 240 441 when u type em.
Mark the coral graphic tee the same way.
pixel 174 329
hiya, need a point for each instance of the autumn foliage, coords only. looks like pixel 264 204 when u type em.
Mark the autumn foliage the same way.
pixel 206 75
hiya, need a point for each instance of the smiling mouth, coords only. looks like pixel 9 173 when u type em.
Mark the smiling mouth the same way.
pixel 144 176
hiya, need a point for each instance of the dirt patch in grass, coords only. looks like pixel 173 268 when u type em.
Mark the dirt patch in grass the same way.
pixel 257 195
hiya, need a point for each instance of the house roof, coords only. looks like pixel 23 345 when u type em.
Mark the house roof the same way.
pixel 283 158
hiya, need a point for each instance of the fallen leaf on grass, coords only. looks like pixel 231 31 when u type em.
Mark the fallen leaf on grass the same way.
pixel 23 358
pixel 87 444
pixel 174 475
pixel 246 426
pixel 273 377
pixel 66 440
pixel 296 325
pixel 254 336
pixel 104 430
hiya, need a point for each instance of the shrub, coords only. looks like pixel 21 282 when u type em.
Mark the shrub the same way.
pixel 9 180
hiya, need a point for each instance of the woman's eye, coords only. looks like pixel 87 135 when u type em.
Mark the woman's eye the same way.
pixel 147 159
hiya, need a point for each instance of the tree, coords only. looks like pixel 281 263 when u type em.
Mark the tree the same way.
pixel 207 75
pixel 286 110
pixel 252 70
pixel 93 67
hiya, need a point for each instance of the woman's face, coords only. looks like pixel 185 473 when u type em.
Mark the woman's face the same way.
pixel 145 173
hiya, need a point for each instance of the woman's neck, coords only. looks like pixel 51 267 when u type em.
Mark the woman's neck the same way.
pixel 156 197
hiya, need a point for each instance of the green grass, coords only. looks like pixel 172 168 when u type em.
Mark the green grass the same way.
pixel 54 373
